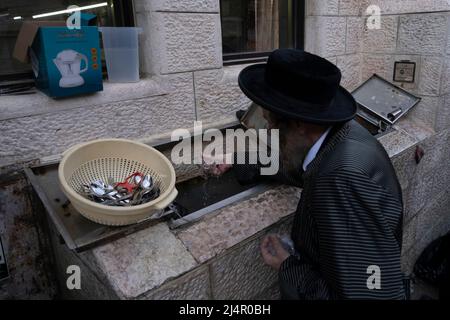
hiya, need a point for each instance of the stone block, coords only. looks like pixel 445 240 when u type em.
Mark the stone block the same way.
pixel 39 103
pixel 436 149
pixel 443 115
pixel 425 111
pixel 422 34
pixel 381 40
pixel 409 6
pixel 409 252
pixel 272 293
pixel 396 141
pixel 431 174
pixel 383 65
pixel 350 66
pixel 325 36
pixel 150 42
pixel 177 5
pixel 93 285
pixel 26 258
pixel 333 60
pixel 174 42
pixel 352 7
pixel 445 86
pixel 50 134
pixel 433 221
pixel 241 274
pixel 190 41
pixel 143 260
pixel 408 259
pixel 430 76
pixel 415 128
pixel 411 87
pixel 194 285
pixel 322 7
pixel 235 223
pixel 379 64
pixel 217 93
pixel 415 197
pixel 447 50
pixel 405 167
pixel 409 234
pixel 355 30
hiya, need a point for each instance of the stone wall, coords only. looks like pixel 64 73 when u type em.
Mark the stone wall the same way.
pixel 20 229
pixel 185 81
pixel 181 59
pixel 410 30
pixel 215 258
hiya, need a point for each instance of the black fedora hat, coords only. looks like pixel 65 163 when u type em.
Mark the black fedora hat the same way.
pixel 299 85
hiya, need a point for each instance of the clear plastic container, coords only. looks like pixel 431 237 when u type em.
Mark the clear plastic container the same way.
pixel 121 47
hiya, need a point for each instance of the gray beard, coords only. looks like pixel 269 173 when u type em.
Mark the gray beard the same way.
pixel 292 159
pixel 292 155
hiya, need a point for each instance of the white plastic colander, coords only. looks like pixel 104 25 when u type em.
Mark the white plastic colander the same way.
pixel 118 159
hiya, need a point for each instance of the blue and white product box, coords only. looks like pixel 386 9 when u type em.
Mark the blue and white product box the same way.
pixel 65 62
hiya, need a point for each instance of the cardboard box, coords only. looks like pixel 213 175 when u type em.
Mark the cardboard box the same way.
pixel 65 62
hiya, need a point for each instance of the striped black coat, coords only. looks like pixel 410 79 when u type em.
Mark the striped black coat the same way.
pixel 349 218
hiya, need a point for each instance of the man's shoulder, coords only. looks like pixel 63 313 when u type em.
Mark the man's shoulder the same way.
pixel 355 150
pixel 358 153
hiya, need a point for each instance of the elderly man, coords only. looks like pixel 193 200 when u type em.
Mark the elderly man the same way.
pixel 347 231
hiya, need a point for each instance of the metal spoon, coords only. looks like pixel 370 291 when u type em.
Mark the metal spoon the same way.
pixel 97 190
pixel 147 182
pixel 137 179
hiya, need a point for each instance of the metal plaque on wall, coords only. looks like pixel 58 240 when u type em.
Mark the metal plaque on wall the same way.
pixel 404 71
pixel 3 267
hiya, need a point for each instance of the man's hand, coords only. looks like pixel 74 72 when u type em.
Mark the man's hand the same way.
pixel 218 165
pixel 273 252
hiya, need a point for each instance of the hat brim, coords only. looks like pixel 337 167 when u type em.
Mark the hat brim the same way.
pixel 252 82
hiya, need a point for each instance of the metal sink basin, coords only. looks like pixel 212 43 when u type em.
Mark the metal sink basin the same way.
pixel 197 197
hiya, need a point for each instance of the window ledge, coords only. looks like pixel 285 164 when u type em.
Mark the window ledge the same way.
pixel 38 103
pixel 232 71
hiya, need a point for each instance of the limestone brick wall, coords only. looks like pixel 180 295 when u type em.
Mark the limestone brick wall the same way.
pixel 184 80
pixel 410 30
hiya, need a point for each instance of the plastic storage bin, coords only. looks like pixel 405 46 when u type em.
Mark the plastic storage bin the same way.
pixel 121 47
